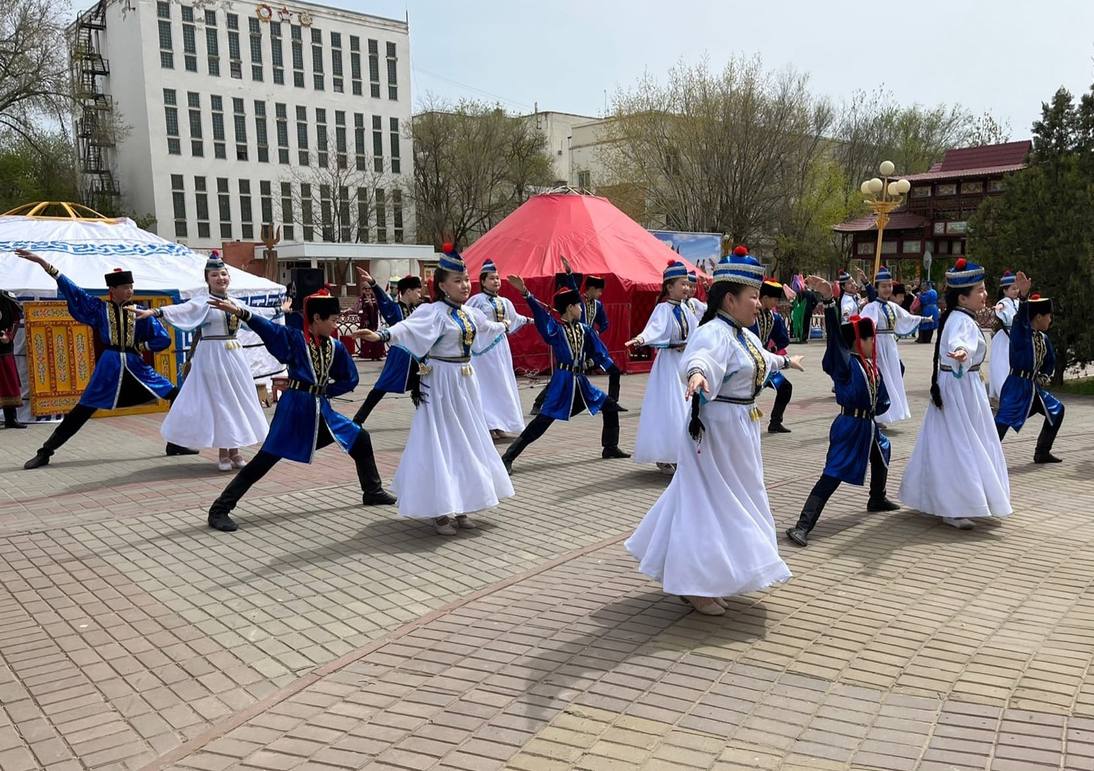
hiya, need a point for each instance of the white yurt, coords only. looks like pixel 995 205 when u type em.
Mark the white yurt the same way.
pixel 85 245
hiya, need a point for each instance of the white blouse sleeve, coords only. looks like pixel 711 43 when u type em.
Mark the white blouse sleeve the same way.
pixel 189 315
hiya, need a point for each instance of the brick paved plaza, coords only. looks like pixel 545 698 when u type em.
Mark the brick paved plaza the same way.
pixel 323 635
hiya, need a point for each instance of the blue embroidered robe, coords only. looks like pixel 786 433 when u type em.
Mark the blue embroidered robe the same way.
pixel 395 377
pixel 1032 363
pixel 121 378
pixel 851 437
pixel 771 329
pixel 573 344
pixel 325 363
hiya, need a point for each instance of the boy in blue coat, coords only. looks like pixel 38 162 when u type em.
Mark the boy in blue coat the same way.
pixel 120 378
pixel 319 368
pixel 1032 364
pixel 855 438
pixel 569 393
pixel 400 372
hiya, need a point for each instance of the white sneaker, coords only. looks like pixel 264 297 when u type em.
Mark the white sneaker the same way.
pixel 959 522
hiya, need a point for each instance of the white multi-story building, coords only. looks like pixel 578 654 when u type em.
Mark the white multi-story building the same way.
pixel 233 115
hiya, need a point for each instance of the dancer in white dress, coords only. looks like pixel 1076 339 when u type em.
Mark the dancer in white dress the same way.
pixel 957 470
pixel 217 405
pixel 497 382
pixel 664 410
pixel 449 467
pixel 890 320
pixel 999 358
pixel 711 534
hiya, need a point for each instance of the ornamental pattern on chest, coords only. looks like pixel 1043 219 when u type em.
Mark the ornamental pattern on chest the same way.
pixel 322 357
pixel 575 339
pixel 121 326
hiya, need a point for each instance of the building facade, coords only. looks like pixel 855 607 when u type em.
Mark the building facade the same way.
pixel 218 117
pixel 936 212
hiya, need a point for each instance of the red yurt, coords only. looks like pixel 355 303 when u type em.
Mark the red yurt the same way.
pixel 598 240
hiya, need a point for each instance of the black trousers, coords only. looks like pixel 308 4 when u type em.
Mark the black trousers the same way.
pixel 826 485
pixel 1047 437
pixel 609 434
pixel 782 398
pixel 260 465
pixel 74 421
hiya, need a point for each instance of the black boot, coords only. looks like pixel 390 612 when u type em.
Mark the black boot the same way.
pixel 807 520
pixel 1045 440
pixel 177 449
pixel 10 420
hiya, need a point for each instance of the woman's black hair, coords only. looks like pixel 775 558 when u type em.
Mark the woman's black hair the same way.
pixel 951 303
pixel 718 293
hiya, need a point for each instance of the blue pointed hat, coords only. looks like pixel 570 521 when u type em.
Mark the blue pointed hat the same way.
pixel 740 268
pixel 675 269
pixel 964 274
pixel 451 260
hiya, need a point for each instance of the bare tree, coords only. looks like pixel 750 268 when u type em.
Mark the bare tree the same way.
pixel 473 165
pixel 34 77
pixel 716 151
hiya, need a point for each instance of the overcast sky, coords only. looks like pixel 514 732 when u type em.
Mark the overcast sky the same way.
pixel 1004 56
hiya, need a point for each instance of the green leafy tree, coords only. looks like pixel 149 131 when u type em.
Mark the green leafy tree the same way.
pixel 1043 224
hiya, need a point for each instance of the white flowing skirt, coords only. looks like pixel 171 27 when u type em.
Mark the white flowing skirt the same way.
pixel 217 405
pixel 449 465
pixel 957 468
pixel 998 363
pixel 498 386
pixel 664 411
pixel 888 362
pixel 711 533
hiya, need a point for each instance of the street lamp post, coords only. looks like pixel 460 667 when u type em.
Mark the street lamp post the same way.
pixel 884 194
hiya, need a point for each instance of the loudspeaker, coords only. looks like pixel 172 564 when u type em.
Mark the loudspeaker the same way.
pixel 303 282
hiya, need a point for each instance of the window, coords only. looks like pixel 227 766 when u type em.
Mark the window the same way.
pixel 235 60
pixel 248 230
pixel 340 138
pixel 287 210
pixel 336 62
pixel 306 212
pixel 193 101
pixel 217 105
pixel 189 40
pixel 326 217
pixel 355 63
pixel 374 68
pixel 277 54
pixel 224 201
pixel 201 200
pixel 297 56
pixel 282 118
pixel 397 214
pixel 212 43
pixel 392 73
pixel 171 117
pixel 363 215
pixel 240 125
pixel 255 29
pixel 381 217
pixel 302 135
pixel 971 188
pixel 178 203
pixel 321 136
pixel 265 198
pixel 359 140
pixel 260 132
pixel 395 164
pixel 167 57
pixel 377 143
pixel 317 58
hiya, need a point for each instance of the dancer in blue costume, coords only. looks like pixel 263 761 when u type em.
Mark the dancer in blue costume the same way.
pixel 569 393
pixel 400 372
pixel 319 369
pixel 856 438
pixel 1032 364
pixel 120 378
pixel 771 329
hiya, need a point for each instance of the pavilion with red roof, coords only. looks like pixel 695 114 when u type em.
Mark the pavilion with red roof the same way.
pixel 936 213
